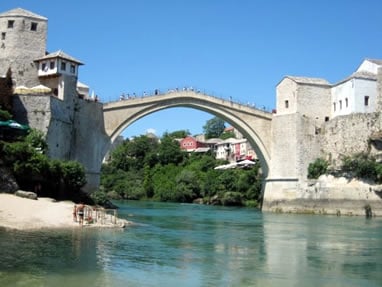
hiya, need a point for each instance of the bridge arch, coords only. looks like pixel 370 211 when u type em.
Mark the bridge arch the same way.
pixel 253 123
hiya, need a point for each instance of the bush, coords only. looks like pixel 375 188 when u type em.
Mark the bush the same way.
pixel 378 171
pixel 232 199
pixel 73 174
pixel 317 168
pixel 5 115
pixel 361 166
pixel 251 203
pixel 99 197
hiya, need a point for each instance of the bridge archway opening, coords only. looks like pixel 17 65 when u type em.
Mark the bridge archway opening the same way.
pixel 238 123
pixel 168 120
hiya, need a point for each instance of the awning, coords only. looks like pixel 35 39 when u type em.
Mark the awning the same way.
pixel 13 124
pixel 41 89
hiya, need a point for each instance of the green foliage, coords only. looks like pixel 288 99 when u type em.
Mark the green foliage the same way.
pixel 362 166
pixel 187 184
pixel 317 168
pixel 168 174
pixel 178 134
pixel 164 182
pixel 227 135
pixel 73 174
pixel 100 197
pixel 29 164
pixel 378 171
pixel 37 140
pixel 133 154
pixel 232 198
pixel 251 203
pixel 36 165
pixel 5 115
pixel 214 128
pixel 169 152
pixel 359 165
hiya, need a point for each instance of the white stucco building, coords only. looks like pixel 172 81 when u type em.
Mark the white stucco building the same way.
pixel 358 92
pixel 319 100
pixel 233 149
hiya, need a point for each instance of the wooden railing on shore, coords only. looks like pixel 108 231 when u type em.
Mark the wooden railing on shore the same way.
pixel 100 215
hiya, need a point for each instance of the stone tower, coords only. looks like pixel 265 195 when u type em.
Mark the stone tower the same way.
pixel 23 39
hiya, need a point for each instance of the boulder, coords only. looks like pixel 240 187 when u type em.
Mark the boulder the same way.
pixel 8 183
pixel 26 194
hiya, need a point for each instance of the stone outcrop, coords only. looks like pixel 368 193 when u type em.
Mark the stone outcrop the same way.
pixel 332 195
pixel 8 183
pixel 26 194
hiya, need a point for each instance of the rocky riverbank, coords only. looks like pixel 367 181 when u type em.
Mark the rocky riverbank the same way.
pixel 330 195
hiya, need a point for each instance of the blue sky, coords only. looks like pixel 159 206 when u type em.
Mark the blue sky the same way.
pixel 227 48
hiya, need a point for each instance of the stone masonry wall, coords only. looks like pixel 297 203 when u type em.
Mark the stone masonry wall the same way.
pixel 74 130
pixel 284 142
pixel 90 142
pixel 314 101
pixel 347 135
pixel 297 140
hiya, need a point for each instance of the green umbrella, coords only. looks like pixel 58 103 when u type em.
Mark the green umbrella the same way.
pixel 14 125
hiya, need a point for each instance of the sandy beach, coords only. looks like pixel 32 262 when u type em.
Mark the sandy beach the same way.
pixel 22 213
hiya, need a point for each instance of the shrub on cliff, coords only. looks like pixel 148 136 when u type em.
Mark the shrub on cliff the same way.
pixel 363 166
pixel 317 168
pixel 27 161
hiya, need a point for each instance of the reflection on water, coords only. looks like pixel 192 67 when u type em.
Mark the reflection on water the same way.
pixel 194 245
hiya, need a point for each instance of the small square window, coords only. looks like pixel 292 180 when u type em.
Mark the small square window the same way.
pixel 286 104
pixel 72 69
pixel 3 36
pixel 366 100
pixel 33 26
pixel 11 23
pixel 44 67
pixel 63 66
pixel 52 65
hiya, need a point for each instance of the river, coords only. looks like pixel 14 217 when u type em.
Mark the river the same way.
pixel 198 245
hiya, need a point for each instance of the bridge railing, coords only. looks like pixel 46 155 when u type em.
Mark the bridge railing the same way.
pixel 158 92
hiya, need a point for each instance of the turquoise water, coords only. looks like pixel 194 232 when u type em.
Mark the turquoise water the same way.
pixel 197 245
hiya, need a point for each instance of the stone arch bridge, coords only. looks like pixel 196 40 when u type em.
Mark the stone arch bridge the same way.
pixel 254 124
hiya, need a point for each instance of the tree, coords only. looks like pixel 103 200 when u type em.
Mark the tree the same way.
pixel 227 135
pixel 37 140
pixel 133 154
pixel 166 173
pixel 178 134
pixel 73 175
pixel 169 151
pixel 214 128
pixel 30 165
